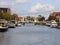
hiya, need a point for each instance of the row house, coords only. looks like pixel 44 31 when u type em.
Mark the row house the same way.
pixel 56 14
pixel 5 10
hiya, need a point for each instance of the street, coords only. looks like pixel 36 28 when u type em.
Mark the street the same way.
pixel 31 34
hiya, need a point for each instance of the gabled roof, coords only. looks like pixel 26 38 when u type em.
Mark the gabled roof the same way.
pixel 55 13
pixel 20 17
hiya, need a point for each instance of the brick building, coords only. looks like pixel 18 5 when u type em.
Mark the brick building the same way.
pixel 21 18
pixel 5 10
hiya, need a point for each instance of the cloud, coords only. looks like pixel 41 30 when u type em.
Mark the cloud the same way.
pixel 20 2
pixel 48 7
pixel 7 5
pixel 36 7
pixel 13 3
pixel 44 7
pixel 4 4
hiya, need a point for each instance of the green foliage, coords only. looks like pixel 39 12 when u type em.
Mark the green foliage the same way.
pixel 51 18
pixel 30 18
pixel 14 17
pixel 7 16
pixel 41 18
pixel 1 15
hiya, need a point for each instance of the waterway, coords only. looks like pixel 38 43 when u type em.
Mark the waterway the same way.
pixel 30 34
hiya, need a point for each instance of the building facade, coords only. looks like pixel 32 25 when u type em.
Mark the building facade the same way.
pixel 56 14
pixel 21 19
pixel 5 10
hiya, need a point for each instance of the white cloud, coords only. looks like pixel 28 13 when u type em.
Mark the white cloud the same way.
pixel 7 5
pixel 44 7
pixel 48 7
pixel 20 2
pixel 4 4
pixel 36 7
pixel 15 2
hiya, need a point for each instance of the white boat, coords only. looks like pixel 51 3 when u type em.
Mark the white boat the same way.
pixel 14 21
pixel 58 25
pixel 48 23
pixel 3 26
pixel 53 24
pixel 19 23
pixel 11 24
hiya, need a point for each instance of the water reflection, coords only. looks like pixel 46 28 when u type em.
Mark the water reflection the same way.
pixel 4 39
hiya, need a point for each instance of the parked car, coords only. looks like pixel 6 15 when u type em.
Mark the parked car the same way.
pixel 53 24
pixel 11 24
pixel 3 26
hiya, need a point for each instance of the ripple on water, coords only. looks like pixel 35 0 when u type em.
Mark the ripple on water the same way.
pixel 32 35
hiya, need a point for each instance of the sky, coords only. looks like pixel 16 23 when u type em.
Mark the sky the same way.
pixel 32 7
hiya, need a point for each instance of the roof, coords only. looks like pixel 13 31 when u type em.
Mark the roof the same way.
pixel 20 17
pixel 55 13
pixel 4 8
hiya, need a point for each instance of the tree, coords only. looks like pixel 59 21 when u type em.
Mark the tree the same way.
pixel 32 18
pixel 51 18
pixel 5 16
pixel 29 18
pixel 14 17
pixel 41 18
pixel 1 15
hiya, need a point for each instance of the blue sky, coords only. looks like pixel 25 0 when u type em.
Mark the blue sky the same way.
pixel 32 7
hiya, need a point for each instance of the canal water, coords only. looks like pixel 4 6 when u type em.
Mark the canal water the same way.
pixel 31 35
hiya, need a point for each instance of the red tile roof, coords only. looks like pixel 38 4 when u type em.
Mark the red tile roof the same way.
pixel 55 13
pixel 20 17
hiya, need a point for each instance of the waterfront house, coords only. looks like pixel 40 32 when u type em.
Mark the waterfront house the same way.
pixel 21 19
pixel 56 14
pixel 5 10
